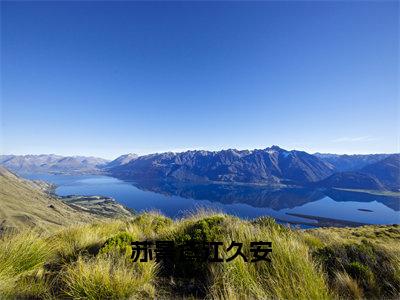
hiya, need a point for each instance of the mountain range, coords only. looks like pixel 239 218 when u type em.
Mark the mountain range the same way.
pixel 268 166
pixel 380 175
pixel 271 166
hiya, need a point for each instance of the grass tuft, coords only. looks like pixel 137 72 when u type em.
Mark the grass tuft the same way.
pixel 109 277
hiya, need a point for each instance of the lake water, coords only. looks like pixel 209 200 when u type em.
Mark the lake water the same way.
pixel 176 199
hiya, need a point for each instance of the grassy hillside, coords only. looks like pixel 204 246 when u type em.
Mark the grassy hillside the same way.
pixel 93 261
pixel 23 204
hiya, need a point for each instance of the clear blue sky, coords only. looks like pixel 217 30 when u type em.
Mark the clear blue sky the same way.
pixel 107 78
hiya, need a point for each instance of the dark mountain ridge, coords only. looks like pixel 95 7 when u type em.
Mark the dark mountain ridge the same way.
pixel 387 170
pixel 351 180
pixel 269 166
pixel 381 175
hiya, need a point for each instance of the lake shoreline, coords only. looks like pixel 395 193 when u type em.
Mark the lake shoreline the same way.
pixel 177 199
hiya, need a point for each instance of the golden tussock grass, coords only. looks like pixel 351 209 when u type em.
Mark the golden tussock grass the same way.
pixel 93 261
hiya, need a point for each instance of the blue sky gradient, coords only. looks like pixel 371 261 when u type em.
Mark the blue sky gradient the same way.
pixel 107 78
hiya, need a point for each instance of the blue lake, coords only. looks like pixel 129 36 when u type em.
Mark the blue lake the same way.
pixel 176 199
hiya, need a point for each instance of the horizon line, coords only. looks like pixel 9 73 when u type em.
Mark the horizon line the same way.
pixel 193 150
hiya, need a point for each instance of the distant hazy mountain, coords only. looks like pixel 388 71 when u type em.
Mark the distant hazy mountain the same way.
pixel 354 162
pixel 52 163
pixel 121 160
pixel 381 175
pixel 271 165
